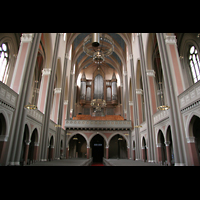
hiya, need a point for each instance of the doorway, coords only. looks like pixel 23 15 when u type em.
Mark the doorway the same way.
pixel 97 145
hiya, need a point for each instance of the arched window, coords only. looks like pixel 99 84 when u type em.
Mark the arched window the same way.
pixel 4 62
pixel 194 63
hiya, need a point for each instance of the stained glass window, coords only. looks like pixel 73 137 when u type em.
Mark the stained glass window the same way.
pixel 4 62
pixel 194 63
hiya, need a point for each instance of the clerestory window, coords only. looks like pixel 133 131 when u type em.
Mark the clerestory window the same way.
pixel 194 63
pixel 4 62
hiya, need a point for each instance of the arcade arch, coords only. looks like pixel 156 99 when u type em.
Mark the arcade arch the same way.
pixel 77 146
pixel 161 148
pixel 194 140
pixel 118 146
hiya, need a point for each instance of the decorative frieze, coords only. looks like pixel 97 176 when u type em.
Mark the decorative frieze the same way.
pixel 101 124
pixel 36 115
pixel 160 116
pixel 190 97
pixel 7 96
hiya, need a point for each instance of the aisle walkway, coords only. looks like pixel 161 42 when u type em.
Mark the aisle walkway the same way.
pixel 127 162
pixel 63 162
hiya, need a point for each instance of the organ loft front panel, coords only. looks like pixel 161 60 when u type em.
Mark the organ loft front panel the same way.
pixel 98 86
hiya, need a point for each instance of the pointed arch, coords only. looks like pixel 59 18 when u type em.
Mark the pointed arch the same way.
pixel 70 137
pixel 115 133
pixel 98 133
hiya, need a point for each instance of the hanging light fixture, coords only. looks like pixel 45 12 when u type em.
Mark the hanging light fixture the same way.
pixel 98 46
pixel 137 126
pixel 33 106
pixel 162 107
pixel 58 125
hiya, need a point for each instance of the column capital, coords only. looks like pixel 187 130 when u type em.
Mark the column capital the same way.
pixel 125 73
pixel 27 37
pixel 72 72
pixel 170 39
pixel 67 55
pixel 46 71
pixel 130 103
pixel 139 91
pixel 190 139
pixel 65 102
pixel 36 143
pixel 57 90
pixel 27 142
pixel 159 145
pixel 150 72
pixel 167 143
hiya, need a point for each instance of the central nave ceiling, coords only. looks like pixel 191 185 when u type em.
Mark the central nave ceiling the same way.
pixel 115 61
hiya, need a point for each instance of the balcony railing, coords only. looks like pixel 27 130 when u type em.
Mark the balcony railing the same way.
pixel 98 124
pixel 190 97
pixel 8 97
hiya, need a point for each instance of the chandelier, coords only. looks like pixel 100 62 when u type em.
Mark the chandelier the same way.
pixel 162 107
pixel 98 46
pixel 98 104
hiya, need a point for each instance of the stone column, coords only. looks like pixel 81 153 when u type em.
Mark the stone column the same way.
pixel 151 80
pixel 107 152
pixel 122 102
pixel 51 152
pixel 43 89
pixel 88 152
pixel 45 128
pixel 69 94
pixel 133 153
pixel 193 151
pixel 74 100
pixel 139 101
pixel 3 143
pixel 147 101
pixel 164 45
pixel 127 96
pixel 67 152
pixel 35 151
pixel 56 105
pixel 64 113
pixel 26 152
pixel 135 109
pixel 168 150
pixel 61 105
pixel 159 152
pixel 21 62
pixel 83 89
pixel 147 153
pixel 143 154
pixel 114 89
pixel 128 152
pixel 22 80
